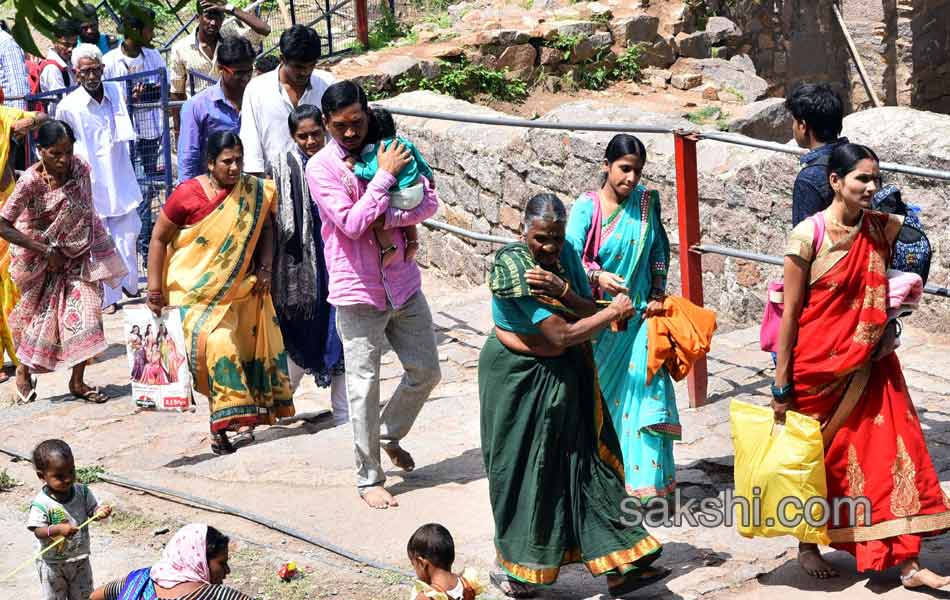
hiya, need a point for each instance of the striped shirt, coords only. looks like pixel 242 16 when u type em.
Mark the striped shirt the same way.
pixel 207 592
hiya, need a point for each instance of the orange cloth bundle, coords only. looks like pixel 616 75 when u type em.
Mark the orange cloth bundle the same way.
pixel 682 334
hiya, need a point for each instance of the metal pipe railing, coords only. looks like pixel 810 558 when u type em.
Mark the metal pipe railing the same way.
pixel 728 138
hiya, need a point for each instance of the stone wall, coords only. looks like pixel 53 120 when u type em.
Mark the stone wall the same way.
pixel 792 41
pixel 930 26
pixel 485 174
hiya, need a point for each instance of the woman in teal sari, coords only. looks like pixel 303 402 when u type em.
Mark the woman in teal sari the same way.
pixel 555 477
pixel 618 234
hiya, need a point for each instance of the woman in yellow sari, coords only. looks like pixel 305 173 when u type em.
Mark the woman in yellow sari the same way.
pixel 210 255
pixel 18 122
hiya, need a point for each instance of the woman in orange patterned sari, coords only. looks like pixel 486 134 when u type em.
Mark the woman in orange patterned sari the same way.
pixel 836 363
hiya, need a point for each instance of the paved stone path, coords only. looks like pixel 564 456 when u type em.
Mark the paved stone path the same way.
pixel 301 473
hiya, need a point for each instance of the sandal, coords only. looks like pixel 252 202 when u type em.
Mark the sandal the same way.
pixel 110 310
pixel 633 581
pixel 221 445
pixel 511 588
pixel 92 395
pixel 30 397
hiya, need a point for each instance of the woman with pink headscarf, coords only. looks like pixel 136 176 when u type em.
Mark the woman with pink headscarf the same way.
pixel 193 565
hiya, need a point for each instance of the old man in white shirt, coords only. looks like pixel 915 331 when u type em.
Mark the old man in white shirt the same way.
pixel 98 113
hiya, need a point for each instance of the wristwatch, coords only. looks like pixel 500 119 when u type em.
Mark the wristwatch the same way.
pixel 229 8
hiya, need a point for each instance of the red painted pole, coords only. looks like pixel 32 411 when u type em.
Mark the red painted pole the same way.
pixel 362 24
pixel 691 264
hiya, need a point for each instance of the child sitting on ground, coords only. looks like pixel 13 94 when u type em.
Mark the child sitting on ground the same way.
pixel 432 552
pixel 55 516
pixel 406 194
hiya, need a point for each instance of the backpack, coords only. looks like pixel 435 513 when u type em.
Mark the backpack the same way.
pixel 34 69
pixel 912 250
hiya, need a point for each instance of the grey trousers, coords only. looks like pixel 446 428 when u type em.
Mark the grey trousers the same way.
pixel 65 580
pixel 363 328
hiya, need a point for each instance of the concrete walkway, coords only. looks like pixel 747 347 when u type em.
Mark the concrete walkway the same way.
pixel 301 473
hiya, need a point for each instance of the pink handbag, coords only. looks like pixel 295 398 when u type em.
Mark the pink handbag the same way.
pixel 775 299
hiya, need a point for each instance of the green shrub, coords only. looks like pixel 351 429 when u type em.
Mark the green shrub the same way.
pixel 465 80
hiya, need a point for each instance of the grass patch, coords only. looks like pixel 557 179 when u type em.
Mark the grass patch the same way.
pixel 731 90
pixel 466 81
pixel 7 481
pixel 129 521
pixel 87 475
pixel 704 115
pixel 710 115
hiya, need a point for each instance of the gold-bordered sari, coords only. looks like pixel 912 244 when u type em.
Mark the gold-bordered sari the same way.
pixel 234 345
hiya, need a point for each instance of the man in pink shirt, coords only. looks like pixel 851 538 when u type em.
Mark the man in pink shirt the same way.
pixel 373 303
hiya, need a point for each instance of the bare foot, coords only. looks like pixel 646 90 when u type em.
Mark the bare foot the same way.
pixel 811 561
pixel 377 497
pixel 915 578
pixel 400 457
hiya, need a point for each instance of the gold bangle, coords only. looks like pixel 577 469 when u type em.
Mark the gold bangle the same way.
pixel 567 288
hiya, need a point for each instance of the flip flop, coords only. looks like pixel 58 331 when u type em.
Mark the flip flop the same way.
pixel 31 397
pixel 516 589
pixel 221 445
pixel 92 395
pixel 631 584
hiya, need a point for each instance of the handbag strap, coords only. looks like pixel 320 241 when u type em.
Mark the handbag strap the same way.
pixel 818 236
pixel 592 244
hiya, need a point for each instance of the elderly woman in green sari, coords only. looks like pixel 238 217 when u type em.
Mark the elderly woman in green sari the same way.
pixel 618 234
pixel 555 475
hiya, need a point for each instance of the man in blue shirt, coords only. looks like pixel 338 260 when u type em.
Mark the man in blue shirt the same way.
pixel 217 108
pixel 818 113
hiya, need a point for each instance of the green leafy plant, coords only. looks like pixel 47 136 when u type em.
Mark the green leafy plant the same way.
pixel 442 20
pixel 465 80
pixel 7 481
pixel 601 18
pixel 628 66
pixel 565 44
pixel 373 93
pixel 87 475
pixel 386 29
pixel 595 73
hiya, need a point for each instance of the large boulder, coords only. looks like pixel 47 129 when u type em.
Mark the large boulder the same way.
pixel 721 30
pixel 692 45
pixel 635 30
pixel 517 57
pixel 765 120
pixel 727 75
pixel 575 28
pixel 660 55
pixel 398 67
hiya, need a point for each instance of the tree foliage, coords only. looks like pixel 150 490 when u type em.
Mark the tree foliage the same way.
pixel 41 14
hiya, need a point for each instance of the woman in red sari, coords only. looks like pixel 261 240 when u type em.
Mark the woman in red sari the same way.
pixel 836 364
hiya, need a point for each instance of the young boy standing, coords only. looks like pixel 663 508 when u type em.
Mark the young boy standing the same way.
pixel 817 113
pixel 55 516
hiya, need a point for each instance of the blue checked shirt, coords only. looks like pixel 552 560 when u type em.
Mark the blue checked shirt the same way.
pixel 13 77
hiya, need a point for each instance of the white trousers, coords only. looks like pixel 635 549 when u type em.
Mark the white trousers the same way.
pixel 124 231
pixel 338 399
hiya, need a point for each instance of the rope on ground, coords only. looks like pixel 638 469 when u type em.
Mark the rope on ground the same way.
pixel 211 505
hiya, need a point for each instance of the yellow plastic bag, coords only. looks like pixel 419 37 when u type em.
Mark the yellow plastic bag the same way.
pixel 778 470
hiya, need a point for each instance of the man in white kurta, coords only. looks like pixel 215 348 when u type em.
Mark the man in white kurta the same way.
pixel 99 116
